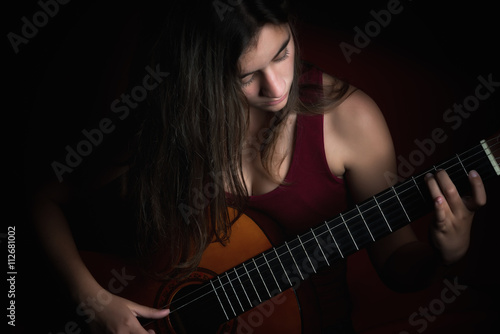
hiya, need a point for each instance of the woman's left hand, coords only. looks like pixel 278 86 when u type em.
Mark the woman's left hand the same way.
pixel 451 231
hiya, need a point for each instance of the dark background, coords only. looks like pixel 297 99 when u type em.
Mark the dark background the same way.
pixel 63 80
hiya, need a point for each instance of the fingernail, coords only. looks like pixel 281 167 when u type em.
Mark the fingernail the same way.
pixel 428 175
pixel 439 200
pixel 473 173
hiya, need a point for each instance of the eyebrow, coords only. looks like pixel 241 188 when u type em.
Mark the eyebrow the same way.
pixel 276 55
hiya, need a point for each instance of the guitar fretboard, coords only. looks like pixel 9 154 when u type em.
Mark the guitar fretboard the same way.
pixel 262 277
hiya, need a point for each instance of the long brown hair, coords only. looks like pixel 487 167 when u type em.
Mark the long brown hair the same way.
pixel 189 148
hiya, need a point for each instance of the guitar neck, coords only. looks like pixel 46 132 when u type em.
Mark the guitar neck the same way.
pixel 285 266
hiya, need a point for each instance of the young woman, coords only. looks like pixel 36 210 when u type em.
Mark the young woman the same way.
pixel 239 113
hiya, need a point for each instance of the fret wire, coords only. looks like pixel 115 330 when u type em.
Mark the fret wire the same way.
pixel 480 146
pixel 335 241
pixel 305 251
pixel 282 266
pixel 242 286
pixel 238 276
pixel 394 190
pixel 397 197
pixel 227 296
pixel 378 205
pixel 460 160
pixel 477 159
pixel 345 223
pixel 271 270
pixel 484 164
pixel 319 246
pixel 414 206
pixel 293 258
pixel 364 221
pixel 473 156
pixel 311 239
pixel 235 293
pixel 251 281
pixel 382 212
pixel 487 163
pixel 418 188
pixel 289 249
pixel 220 302
pixel 262 278
pixel 467 158
pixel 421 175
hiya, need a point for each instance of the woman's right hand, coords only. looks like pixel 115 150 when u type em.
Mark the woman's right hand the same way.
pixel 117 315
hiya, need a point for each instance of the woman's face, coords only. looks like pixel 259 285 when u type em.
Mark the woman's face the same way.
pixel 267 68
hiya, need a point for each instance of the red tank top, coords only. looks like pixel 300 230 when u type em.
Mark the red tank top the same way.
pixel 310 195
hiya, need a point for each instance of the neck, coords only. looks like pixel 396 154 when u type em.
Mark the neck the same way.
pixel 260 122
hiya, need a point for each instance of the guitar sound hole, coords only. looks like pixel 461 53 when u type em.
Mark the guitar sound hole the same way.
pixel 200 314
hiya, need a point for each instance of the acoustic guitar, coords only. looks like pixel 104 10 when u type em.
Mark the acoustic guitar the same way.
pixel 243 286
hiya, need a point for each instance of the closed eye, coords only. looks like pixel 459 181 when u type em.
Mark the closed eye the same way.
pixel 285 56
pixel 284 48
pixel 247 83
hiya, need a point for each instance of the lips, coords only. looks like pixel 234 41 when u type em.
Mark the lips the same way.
pixel 281 99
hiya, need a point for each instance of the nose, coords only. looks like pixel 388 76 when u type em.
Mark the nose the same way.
pixel 272 85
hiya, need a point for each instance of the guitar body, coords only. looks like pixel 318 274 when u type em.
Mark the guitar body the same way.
pixel 252 286
pixel 279 314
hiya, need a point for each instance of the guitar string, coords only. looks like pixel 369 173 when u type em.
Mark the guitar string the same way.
pixel 492 149
pixel 392 197
pixel 356 216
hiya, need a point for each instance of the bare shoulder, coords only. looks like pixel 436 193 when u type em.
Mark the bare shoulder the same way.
pixel 357 134
pixel 356 108
pixel 357 127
